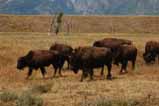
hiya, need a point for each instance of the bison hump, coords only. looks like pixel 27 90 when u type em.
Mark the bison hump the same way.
pixel 30 54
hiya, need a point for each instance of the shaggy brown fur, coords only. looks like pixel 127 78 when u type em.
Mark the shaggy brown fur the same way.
pixel 151 51
pixel 88 58
pixel 36 59
pixel 126 53
pixel 64 50
pixel 112 43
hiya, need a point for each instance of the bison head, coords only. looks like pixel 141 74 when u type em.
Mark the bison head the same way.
pixel 149 57
pixel 21 63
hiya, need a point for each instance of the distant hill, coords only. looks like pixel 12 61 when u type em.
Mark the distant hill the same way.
pixel 82 7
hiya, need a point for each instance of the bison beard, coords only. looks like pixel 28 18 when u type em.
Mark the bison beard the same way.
pixel 39 59
pixel 88 58
pixel 64 50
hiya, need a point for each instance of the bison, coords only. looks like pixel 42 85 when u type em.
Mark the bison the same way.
pixel 64 49
pixel 36 59
pixel 115 41
pixel 126 53
pixel 120 41
pixel 151 51
pixel 88 58
pixel 112 43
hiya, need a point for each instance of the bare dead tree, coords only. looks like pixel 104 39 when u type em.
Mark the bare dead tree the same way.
pixel 52 22
pixel 68 25
pixel 56 22
pixel 112 26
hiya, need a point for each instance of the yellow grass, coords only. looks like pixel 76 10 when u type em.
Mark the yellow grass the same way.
pixel 68 91
pixel 82 24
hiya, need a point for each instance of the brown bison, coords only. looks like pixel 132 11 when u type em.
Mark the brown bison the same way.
pixel 36 59
pixel 104 41
pixel 64 50
pixel 112 43
pixel 88 58
pixel 119 41
pixel 126 53
pixel 151 51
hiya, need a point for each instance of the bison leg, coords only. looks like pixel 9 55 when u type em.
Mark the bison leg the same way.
pixel 124 66
pixel 133 64
pixel 68 64
pixel 29 73
pixel 109 76
pixel 43 71
pixel 91 74
pixel 60 67
pixel 102 71
pixel 55 72
pixel 60 71
pixel 68 67
pixel 121 70
pixel 84 74
pixel 55 67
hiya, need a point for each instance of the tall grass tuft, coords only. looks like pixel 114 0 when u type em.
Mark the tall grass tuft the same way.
pixel 26 99
pixel 7 96
pixel 41 88
pixel 110 102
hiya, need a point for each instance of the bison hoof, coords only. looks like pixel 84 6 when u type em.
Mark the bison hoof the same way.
pixel 81 80
pixel 121 73
pixel 126 72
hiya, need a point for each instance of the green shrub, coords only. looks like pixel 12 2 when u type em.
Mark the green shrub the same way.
pixel 26 99
pixel 109 102
pixel 41 88
pixel 7 96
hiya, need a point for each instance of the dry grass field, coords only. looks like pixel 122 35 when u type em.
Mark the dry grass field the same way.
pixel 137 88
pixel 82 24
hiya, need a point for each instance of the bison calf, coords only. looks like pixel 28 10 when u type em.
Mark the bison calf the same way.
pixel 64 50
pixel 36 59
pixel 88 58
pixel 126 53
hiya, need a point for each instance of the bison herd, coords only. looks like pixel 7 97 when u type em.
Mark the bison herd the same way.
pixel 102 53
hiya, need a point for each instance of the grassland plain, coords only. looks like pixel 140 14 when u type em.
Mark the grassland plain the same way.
pixel 137 88
pixel 81 24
